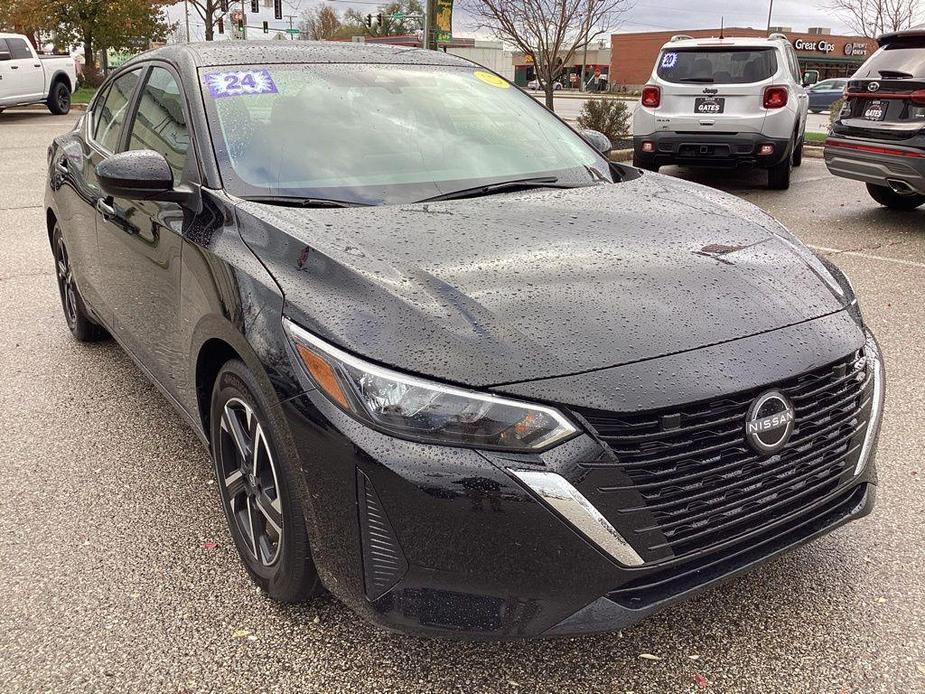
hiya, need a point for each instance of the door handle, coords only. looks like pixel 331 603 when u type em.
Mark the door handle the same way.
pixel 37 65
pixel 14 67
pixel 105 209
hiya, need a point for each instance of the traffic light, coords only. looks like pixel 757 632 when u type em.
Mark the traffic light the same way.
pixel 221 26
pixel 369 21
pixel 380 18
pixel 255 6
pixel 278 9
pixel 266 27
pixel 224 5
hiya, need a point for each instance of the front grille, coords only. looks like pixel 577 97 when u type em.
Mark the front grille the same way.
pixel 687 479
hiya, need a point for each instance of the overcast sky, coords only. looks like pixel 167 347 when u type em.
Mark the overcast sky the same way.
pixel 645 15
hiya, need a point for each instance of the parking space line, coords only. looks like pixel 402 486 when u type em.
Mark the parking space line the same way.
pixel 868 256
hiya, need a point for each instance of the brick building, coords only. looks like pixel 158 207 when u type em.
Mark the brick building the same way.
pixel 633 56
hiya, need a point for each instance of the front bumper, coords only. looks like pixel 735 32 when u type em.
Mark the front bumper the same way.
pixel 714 150
pixel 876 162
pixel 450 541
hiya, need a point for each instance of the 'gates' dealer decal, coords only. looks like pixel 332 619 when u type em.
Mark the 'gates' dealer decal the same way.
pixel 222 84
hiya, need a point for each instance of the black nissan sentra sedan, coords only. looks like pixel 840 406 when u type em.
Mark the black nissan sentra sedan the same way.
pixel 451 364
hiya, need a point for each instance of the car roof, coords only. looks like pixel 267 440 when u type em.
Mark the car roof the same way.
pixel 918 31
pixel 287 52
pixel 732 41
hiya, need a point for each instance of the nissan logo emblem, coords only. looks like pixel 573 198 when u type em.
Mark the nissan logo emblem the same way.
pixel 873 87
pixel 769 422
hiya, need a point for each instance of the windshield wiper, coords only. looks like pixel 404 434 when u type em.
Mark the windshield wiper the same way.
pixel 895 74
pixel 701 80
pixel 295 201
pixel 503 186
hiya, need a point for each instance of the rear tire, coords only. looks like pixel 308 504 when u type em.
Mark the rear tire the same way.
pixel 779 174
pixel 261 487
pixel 644 165
pixel 59 99
pixel 75 311
pixel 895 201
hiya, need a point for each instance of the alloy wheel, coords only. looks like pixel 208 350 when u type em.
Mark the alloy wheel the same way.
pixel 64 100
pixel 250 482
pixel 65 281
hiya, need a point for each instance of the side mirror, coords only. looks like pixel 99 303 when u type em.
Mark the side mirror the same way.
pixel 139 175
pixel 599 141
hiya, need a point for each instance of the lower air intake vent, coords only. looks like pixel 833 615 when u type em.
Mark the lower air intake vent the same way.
pixel 383 561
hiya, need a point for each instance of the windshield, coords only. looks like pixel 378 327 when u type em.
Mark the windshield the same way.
pixel 384 134
pixel 898 59
pixel 720 66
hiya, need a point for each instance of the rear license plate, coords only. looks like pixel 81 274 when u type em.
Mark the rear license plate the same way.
pixel 709 105
pixel 876 110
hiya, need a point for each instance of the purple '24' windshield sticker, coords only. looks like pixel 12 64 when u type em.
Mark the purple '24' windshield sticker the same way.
pixel 222 84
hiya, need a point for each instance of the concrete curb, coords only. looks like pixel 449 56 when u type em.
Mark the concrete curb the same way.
pixel 43 107
pixel 585 95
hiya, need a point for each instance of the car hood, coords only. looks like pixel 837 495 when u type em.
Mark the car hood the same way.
pixel 508 288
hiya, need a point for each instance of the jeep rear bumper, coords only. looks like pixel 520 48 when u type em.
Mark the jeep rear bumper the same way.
pixel 714 150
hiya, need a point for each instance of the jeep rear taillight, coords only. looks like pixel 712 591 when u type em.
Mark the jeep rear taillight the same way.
pixel 775 97
pixel 918 97
pixel 651 96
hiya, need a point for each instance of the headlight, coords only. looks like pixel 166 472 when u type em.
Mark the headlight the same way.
pixel 875 364
pixel 415 408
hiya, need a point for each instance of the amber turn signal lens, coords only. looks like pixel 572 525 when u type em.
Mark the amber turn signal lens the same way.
pixel 324 376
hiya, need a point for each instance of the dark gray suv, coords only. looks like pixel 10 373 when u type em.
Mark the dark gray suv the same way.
pixel 879 136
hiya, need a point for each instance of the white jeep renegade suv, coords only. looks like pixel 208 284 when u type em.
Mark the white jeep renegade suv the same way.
pixel 723 102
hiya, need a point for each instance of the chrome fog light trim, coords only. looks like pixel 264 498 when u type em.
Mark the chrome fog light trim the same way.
pixel 556 491
pixel 876 406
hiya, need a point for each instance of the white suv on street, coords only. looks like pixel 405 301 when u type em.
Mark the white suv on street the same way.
pixel 723 102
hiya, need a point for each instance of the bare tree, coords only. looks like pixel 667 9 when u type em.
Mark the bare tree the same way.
pixel 211 13
pixel 320 23
pixel 875 17
pixel 548 31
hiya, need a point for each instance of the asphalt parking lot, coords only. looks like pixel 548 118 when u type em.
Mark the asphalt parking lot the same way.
pixel 117 573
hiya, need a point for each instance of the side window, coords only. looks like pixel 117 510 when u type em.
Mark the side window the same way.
pixel 111 112
pixel 19 49
pixel 160 123
pixel 4 51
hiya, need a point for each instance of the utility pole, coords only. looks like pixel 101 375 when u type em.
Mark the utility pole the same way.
pixel 243 22
pixel 429 8
pixel 186 10
pixel 290 17
pixel 770 12
pixel 584 57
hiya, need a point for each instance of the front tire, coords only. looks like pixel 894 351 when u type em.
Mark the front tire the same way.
pixel 895 201
pixel 75 311
pixel 59 99
pixel 261 488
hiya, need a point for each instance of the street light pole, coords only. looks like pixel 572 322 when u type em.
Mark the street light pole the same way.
pixel 770 12
pixel 186 10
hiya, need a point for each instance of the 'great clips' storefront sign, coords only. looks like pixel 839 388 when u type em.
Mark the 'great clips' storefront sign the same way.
pixel 820 46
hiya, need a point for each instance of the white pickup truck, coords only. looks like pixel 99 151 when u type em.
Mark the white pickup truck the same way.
pixel 29 78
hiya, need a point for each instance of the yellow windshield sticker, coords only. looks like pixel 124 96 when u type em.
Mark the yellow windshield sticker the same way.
pixel 491 79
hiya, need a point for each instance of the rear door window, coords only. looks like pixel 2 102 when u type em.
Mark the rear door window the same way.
pixel 19 49
pixel 110 114
pixel 904 59
pixel 720 66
